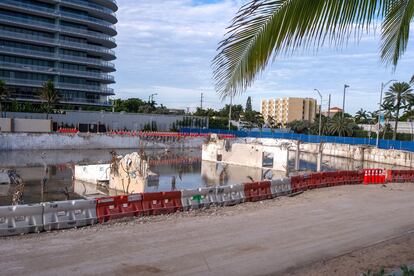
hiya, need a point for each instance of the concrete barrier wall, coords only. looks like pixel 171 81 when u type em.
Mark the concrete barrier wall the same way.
pixel 52 141
pixel 32 125
pixel 5 124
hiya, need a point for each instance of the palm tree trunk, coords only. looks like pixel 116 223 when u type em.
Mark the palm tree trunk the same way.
pixel 1 111
pixel 394 135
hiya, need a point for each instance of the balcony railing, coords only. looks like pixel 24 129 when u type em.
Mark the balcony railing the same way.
pixel 56 42
pixel 36 98
pixel 55 56
pixel 50 26
pixel 56 71
pixel 89 5
pixel 57 13
pixel 60 85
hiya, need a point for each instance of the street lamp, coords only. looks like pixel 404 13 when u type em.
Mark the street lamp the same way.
pixel 383 85
pixel 320 112
pixel 343 103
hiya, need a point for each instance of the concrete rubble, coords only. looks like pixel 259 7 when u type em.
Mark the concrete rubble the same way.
pixel 249 152
pixel 126 174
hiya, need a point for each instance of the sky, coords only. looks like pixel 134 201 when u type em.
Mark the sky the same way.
pixel 166 47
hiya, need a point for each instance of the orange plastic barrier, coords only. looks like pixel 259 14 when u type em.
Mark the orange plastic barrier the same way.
pixel 114 207
pixel 161 203
pixel 257 191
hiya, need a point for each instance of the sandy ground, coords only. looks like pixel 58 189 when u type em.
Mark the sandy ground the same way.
pixel 342 230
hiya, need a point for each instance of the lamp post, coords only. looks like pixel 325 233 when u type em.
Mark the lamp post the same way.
pixel 343 102
pixel 320 112
pixel 383 85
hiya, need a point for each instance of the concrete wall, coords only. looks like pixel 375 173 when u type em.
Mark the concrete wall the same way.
pixel 92 173
pixel 32 125
pixel 363 153
pixel 49 141
pixel 403 127
pixel 5 125
pixel 112 120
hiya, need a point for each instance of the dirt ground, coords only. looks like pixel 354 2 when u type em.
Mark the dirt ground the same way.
pixel 340 230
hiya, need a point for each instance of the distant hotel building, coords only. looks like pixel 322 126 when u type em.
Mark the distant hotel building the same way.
pixel 67 41
pixel 286 110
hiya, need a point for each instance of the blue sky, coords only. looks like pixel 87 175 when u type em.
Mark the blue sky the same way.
pixel 166 47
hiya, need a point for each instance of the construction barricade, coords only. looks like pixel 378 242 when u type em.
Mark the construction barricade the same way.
pixel 374 176
pixel 230 195
pixel 161 203
pixel 108 208
pixel 257 191
pixel 280 187
pixel 400 176
pixel 69 214
pixel 198 198
pixel 21 219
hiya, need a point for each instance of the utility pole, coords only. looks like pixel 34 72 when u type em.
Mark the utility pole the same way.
pixel 329 106
pixel 343 103
pixel 201 101
pixel 188 110
pixel 320 112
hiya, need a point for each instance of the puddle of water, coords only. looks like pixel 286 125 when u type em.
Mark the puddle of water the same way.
pixel 185 165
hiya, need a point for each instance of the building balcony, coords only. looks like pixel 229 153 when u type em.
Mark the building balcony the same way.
pixel 57 71
pixel 103 11
pixel 36 24
pixel 50 12
pixel 59 57
pixel 63 100
pixel 102 90
pixel 107 53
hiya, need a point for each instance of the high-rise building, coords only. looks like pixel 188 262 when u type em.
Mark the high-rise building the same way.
pixel 286 110
pixel 69 42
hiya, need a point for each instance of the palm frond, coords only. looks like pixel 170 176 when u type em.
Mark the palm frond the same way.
pixel 396 30
pixel 263 28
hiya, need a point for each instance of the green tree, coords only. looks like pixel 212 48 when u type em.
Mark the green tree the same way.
pixel 300 126
pixel 49 96
pixel 266 28
pixel 361 117
pixel 4 94
pixel 341 127
pixel 398 96
pixel 249 107
pixel 271 122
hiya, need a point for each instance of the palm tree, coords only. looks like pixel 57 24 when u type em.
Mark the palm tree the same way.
pixel 341 126
pixel 4 94
pixel 361 117
pixel 49 95
pixel 398 96
pixel 265 28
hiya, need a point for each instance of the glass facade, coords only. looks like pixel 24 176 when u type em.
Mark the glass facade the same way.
pixel 70 42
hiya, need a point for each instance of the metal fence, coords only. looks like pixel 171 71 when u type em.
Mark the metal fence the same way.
pixel 383 144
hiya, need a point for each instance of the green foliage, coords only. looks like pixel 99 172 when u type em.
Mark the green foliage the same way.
pixel 249 107
pixel 265 28
pixel 398 96
pixel 341 126
pixel 4 94
pixel 252 119
pixel 151 126
pixel 49 95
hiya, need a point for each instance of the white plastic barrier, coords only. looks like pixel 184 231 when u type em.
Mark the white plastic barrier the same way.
pixel 230 195
pixel 280 187
pixel 21 219
pixel 198 198
pixel 69 214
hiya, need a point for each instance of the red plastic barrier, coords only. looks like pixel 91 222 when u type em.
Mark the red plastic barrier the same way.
pixel 114 207
pixel 374 176
pixel 67 130
pixel 257 191
pixel 161 203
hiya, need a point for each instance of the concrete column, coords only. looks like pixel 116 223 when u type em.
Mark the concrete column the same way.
pixel 319 158
pixel 297 156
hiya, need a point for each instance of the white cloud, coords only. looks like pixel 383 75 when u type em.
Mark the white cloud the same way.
pixel 166 46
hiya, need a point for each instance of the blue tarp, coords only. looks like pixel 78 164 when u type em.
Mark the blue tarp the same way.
pixel 383 144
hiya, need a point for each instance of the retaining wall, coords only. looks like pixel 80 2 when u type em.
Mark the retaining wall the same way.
pixel 57 141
